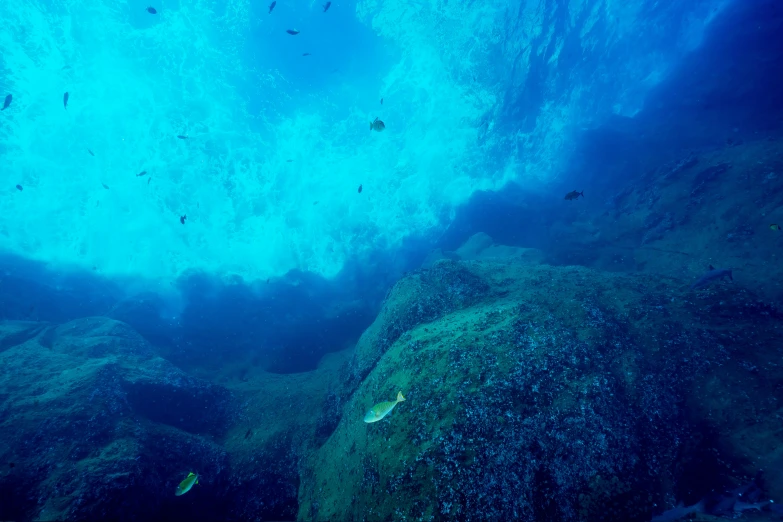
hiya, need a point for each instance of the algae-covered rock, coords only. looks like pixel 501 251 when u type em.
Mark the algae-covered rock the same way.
pixel 541 393
pixel 281 416
pixel 424 296
pixel 96 426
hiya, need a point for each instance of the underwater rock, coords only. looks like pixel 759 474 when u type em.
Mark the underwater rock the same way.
pixel 435 256
pixel 99 427
pixel 547 393
pixel 481 246
pixel 656 226
pixel 473 247
pixel 421 297
pixel 282 416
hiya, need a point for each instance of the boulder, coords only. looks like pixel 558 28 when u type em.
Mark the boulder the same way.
pixel 550 393
pixel 480 246
pixel 97 426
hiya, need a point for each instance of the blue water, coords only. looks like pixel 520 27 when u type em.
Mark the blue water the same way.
pixel 475 96
pixel 249 237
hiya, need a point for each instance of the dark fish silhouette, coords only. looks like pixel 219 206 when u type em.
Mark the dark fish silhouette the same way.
pixel 19 187
pixel 11 464
pixel 327 5
pixel 91 153
pixel 381 101
pixel 292 31
pixel 182 219
pixel 105 186
pixel 7 102
pixel 142 173
pixel 305 54
pixel 152 10
pixel 272 6
pixel 360 189
pixel 148 180
pixel 377 125
pixel 65 100
pixel 180 136
pixel 574 195
pixel 249 433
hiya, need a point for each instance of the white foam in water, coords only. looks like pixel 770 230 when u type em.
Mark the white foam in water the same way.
pixel 136 81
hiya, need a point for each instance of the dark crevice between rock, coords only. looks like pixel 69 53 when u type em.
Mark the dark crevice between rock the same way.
pixel 197 412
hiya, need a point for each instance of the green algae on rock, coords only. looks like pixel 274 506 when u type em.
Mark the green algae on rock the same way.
pixel 100 427
pixel 534 393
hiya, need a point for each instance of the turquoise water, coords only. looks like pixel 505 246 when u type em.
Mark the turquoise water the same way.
pixel 475 95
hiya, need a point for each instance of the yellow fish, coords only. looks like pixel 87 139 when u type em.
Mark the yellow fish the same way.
pixel 186 484
pixel 382 409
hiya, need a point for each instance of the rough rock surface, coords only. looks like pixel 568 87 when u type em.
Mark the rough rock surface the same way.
pixel 480 246
pixel 543 393
pixel 96 426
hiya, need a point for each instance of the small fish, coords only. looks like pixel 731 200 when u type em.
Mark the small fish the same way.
pixel 186 484
pixel 267 281
pixel 105 186
pixel 315 203
pixel 180 136
pixel 148 180
pixel 91 153
pixel 249 433
pixel 305 54
pixel 360 189
pixel 142 173
pixel 182 219
pixel 19 187
pixel 293 32
pixel 11 465
pixel 7 102
pixel 713 275
pixel 773 226
pixel 152 10
pixel 272 6
pixel 288 161
pixel 327 5
pixel 65 100
pixel 382 409
pixel 574 195
pixel 377 125
pixel 381 101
